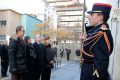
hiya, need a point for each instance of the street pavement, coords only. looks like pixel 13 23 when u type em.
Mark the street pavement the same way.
pixel 68 70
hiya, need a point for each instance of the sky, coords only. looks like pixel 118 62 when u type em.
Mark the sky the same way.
pixel 34 6
pixel 23 6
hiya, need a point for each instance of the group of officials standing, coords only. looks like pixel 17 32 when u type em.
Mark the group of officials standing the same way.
pixel 29 61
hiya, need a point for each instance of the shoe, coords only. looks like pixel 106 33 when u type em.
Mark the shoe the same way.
pixel 4 76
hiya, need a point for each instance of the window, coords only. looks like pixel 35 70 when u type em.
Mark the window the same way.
pixel 2 23
pixel 2 37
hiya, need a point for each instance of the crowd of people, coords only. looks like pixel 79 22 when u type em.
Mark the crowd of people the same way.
pixel 27 60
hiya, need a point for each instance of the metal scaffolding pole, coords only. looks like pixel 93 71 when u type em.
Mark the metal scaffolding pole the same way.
pixel 84 9
pixel 83 24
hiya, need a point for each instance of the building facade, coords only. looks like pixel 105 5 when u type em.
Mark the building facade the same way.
pixel 9 20
pixel 29 22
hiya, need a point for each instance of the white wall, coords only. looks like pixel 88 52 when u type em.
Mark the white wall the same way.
pixel 114 66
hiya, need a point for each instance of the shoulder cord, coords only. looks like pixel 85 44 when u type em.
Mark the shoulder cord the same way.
pixel 107 41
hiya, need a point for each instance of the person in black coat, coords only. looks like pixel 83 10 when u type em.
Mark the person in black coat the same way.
pixel 4 59
pixel 49 59
pixel 31 58
pixel 0 50
pixel 98 45
pixel 40 51
pixel 61 53
pixel 17 56
pixel 77 52
pixel 68 52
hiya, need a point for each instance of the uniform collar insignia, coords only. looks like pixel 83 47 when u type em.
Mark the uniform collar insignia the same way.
pixel 103 27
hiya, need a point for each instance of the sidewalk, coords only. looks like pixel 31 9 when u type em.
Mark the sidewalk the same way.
pixel 69 70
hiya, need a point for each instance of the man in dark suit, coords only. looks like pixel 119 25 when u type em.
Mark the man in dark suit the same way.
pixel 49 59
pixel 98 45
pixel 40 57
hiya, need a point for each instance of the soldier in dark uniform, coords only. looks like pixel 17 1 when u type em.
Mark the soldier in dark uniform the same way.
pixel 98 45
